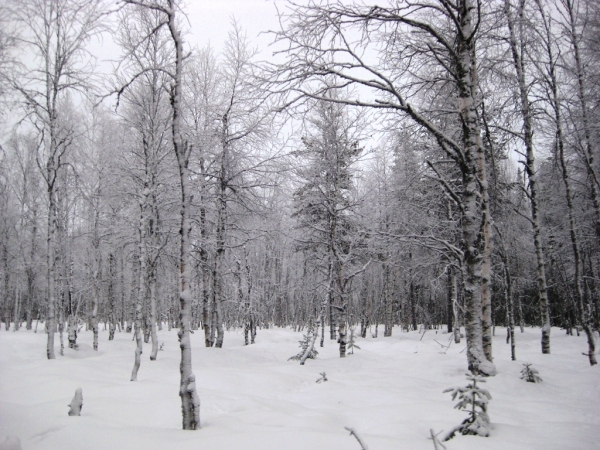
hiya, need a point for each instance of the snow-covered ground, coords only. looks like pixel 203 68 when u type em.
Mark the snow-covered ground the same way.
pixel 389 391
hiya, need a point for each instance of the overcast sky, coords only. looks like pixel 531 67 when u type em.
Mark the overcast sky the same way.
pixel 210 20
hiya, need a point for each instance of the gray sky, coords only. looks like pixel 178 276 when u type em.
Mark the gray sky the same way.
pixel 210 20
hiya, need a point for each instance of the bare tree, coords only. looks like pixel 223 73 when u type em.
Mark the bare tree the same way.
pixel 190 403
pixel 56 32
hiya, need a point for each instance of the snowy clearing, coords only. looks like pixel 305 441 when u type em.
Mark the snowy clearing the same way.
pixel 389 391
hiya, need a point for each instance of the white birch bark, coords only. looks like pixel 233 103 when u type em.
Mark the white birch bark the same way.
pixel 141 281
pixel 471 172
pixel 190 403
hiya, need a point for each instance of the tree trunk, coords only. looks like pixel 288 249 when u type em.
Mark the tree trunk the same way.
pixel 141 290
pixel 111 297
pixel 531 174
pixel 343 333
pixel 388 301
pixel 190 403
pixel 153 315
pixel 51 268
pixel 471 173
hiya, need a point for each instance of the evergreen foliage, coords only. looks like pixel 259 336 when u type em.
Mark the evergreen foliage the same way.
pixel 352 341
pixel 307 345
pixel 530 374
pixel 474 400
pixel 322 378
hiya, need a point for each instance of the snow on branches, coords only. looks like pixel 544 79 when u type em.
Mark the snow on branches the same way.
pixel 474 400
pixel 307 344
pixel 530 374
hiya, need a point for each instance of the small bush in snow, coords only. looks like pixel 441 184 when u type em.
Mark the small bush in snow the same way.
pixel 530 374
pixel 307 345
pixel 474 400
pixel 352 341
pixel 323 377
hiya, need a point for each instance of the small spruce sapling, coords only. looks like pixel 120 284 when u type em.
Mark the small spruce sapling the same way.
pixel 475 400
pixel 307 345
pixel 323 377
pixel 352 341
pixel 530 374
pixel 76 404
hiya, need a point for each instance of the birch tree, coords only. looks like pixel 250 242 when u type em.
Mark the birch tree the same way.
pixel 190 402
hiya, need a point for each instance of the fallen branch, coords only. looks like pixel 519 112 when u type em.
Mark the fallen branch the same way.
pixel 360 441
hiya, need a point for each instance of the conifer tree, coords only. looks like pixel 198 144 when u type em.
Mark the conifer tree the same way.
pixel 474 400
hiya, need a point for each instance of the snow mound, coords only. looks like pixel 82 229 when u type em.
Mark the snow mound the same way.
pixel 11 443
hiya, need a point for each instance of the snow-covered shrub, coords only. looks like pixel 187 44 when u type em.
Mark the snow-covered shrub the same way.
pixel 474 400
pixel 307 345
pixel 530 374
pixel 76 404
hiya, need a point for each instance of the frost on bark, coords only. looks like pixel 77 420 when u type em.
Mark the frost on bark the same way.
pixel 471 175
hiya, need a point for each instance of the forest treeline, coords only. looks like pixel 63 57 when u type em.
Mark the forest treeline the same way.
pixel 422 164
